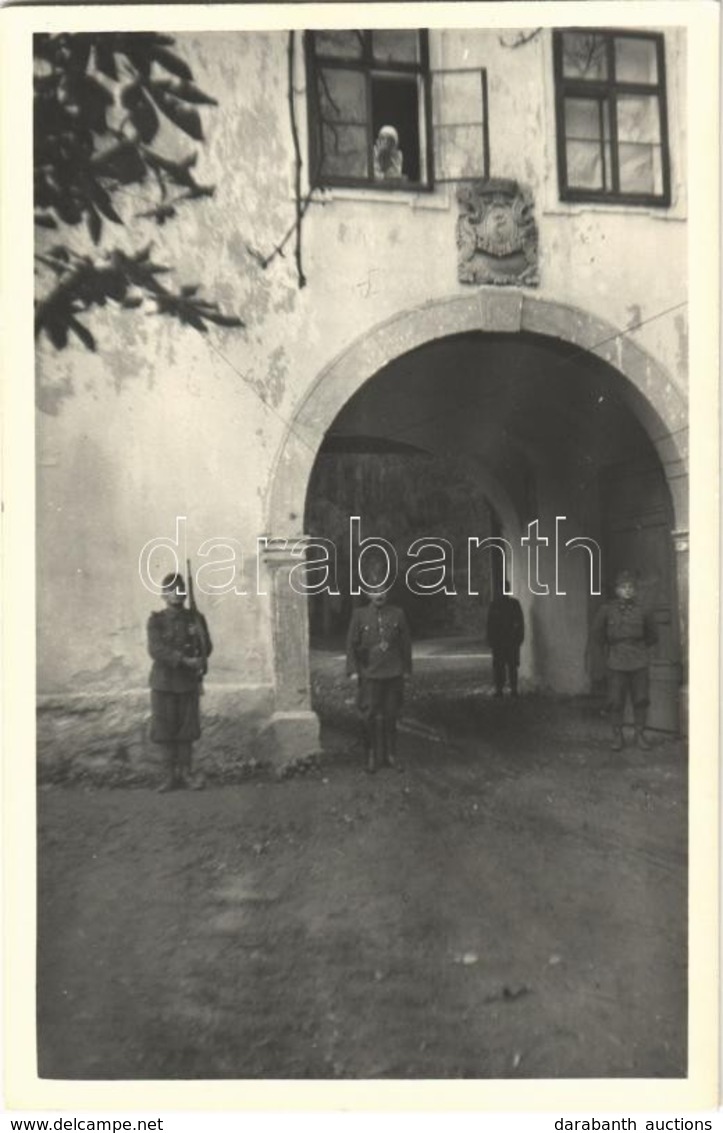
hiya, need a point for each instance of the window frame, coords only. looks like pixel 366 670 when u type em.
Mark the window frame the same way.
pixel 367 66
pixel 606 92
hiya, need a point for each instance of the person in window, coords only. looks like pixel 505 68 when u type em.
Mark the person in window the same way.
pixel 387 155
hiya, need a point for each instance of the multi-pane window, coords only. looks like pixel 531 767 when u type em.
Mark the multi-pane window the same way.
pixel 379 116
pixel 612 129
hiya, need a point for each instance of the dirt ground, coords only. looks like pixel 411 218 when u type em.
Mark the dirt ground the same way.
pixel 510 904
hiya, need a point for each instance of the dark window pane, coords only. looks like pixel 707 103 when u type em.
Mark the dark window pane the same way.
pixel 396 103
pixel 636 61
pixel 339 44
pixel 395 46
pixel 584 56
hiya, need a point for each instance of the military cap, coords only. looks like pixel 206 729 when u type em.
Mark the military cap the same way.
pixel 624 576
pixel 174 581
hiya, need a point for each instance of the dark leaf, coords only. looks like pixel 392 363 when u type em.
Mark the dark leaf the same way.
pixel 187 92
pixel 79 50
pixel 158 161
pixel 43 45
pixel 225 320
pixel 134 302
pixel 174 172
pixel 190 317
pixel 130 93
pixel 68 210
pixel 122 162
pixel 45 220
pixel 172 63
pixel 105 61
pixel 93 89
pixel 95 224
pixel 198 191
pixel 57 332
pixel 142 111
pixel 182 116
pixel 161 213
pixel 82 332
pixel 104 203
pixel 94 102
pixel 59 269
pixel 111 283
pixel 140 55
pixel 189 289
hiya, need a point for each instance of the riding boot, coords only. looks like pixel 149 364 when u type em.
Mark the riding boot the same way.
pixel 375 751
pixel 367 736
pixel 390 741
pixel 186 776
pixel 169 761
pixel 617 744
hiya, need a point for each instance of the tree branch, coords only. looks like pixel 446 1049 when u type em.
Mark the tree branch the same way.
pixel 298 162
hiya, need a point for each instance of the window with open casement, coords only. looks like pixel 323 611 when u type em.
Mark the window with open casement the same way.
pixel 612 123
pixel 379 116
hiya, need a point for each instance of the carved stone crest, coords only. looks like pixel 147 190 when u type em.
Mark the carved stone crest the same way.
pixel 496 234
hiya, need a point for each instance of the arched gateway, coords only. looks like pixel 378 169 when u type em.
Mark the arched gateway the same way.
pixel 644 387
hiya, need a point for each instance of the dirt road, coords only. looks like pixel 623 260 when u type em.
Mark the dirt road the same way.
pixel 512 904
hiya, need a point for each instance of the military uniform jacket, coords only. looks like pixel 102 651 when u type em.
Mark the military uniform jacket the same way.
pixel 379 644
pixel 625 630
pixel 172 635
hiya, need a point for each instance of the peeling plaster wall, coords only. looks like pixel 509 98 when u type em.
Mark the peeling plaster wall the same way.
pixel 165 422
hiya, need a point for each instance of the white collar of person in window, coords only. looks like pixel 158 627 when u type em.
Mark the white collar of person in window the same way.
pixel 387 155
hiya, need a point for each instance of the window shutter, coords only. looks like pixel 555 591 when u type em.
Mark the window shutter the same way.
pixel 460 129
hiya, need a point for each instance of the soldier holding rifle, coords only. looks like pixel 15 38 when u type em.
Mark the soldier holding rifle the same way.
pixel 179 643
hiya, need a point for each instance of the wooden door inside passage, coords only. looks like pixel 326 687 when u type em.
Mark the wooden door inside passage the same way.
pixel 637 526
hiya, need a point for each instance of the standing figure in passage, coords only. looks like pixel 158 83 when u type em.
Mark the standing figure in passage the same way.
pixel 505 634
pixel 379 655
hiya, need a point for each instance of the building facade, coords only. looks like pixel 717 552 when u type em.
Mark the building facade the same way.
pixel 505 281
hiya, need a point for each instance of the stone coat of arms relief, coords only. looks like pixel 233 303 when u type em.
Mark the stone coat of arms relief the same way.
pixel 496 234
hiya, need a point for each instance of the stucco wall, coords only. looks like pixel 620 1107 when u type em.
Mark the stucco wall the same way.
pixel 164 422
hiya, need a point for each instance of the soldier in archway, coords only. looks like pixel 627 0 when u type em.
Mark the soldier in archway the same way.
pixel 626 631
pixel 379 656
pixel 505 634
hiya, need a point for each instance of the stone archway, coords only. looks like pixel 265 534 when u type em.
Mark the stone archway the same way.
pixel 648 390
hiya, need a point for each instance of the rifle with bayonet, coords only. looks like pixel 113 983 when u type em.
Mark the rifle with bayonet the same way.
pixel 199 623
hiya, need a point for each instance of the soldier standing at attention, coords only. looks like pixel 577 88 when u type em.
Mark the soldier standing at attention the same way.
pixel 625 631
pixel 379 655
pixel 179 643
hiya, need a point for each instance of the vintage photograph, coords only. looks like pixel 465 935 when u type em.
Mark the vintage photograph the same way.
pixel 362 550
